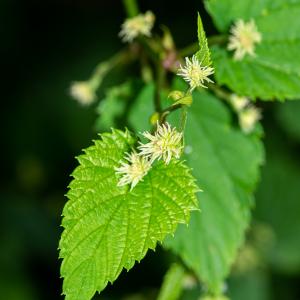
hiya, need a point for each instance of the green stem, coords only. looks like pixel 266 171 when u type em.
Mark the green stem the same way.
pixel 149 48
pixel 218 39
pixel 219 92
pixel 183 119
pixel 103 68
pixel 164 113
pixel 160 73
pixel 131 8
pixel 189 50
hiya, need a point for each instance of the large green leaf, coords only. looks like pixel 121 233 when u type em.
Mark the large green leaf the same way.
pixel 275 70
pixel 108 228
pixel 226 164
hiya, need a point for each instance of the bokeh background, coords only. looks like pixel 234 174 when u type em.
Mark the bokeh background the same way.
pixel 46 45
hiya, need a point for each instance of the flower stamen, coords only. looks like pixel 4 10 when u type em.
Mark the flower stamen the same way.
pixel 164 144
pixel 133 170
pixel 194 73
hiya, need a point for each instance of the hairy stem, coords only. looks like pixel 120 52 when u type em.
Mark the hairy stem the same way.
pixel 131 8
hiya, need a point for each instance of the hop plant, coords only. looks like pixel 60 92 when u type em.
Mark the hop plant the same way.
pixel 126 196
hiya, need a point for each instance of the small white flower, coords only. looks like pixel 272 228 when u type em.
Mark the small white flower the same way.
pixel 194 73
pixel 244 36
pixel 238 102
pixel 83 92
pixel 248 118
pixel 164 144
pixel 133 170
pixel 139 25
pixel 189 282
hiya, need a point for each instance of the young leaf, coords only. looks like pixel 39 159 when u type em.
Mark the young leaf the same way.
pixel 173 283
pixel 108 228
pixel 226 163
pixel 274 71
pixel 203 54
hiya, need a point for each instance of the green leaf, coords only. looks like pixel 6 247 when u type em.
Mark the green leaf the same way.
pixel 288 116
pixel 224 12
pixel 108 228
pixel 140 112
pixel 113 107
pixel 226 164
pixel 278 205
pixel 173 283
pixel 275 70
pixel 203 54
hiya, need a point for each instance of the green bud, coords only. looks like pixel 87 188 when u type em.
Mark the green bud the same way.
pixel 154 118
pixel 176 95
pixel 187 100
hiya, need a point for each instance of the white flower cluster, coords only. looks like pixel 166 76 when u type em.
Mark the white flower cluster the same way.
pixel 194 73
pixel 164 144
pixel 83 92
pixel 248 114
pixel 244 36
pixel 133 170
pixel 140 25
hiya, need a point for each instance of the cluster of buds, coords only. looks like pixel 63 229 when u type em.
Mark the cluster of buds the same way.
pixel 248 114
pixel 164 144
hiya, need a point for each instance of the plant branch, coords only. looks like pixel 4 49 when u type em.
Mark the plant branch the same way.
pixel 103 68
pixel 219 92
pixel 131 8
pixel 160 74
pixel 167 111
